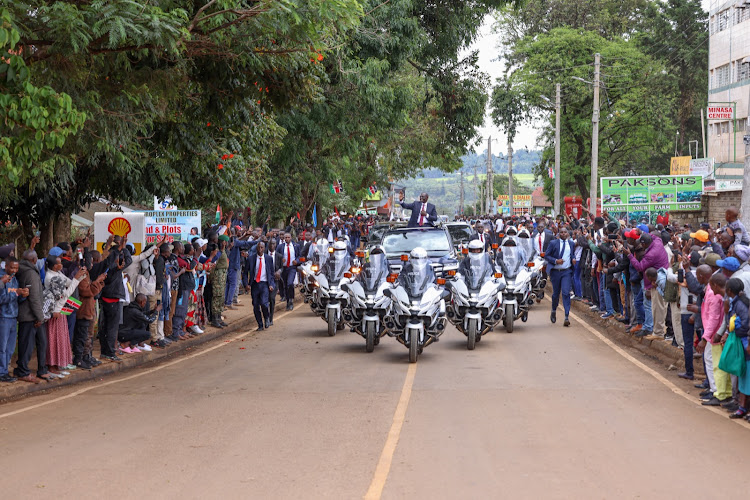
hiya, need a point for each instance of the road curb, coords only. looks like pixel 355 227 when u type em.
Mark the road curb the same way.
pixel 20 389
pixel 659 350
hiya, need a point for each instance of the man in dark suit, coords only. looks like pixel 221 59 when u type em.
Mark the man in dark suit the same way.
pixel 560 258
pixel 484 237
pixel 541 238
pixel 289 253
pixel 260 271
pixel 422 213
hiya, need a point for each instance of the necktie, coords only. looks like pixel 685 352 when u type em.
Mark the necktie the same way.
pixel 288 256
pixel 481 238
pixel 260 268
pixel 421 217
pixel 540 242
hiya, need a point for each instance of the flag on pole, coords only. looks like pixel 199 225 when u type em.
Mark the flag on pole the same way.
pixel 218 213
pixel 315 216
pixel 337 211
pixel 336 187
pixel 551 172
pixel 298 217
pixel 373 189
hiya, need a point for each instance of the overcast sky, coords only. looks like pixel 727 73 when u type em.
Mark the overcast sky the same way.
pixel 490 64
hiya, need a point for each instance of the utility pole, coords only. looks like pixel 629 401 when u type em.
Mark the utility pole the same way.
pixel 477 201
pixel 595 139
pixel 461 199
pixel 557 150
pixel 489 175
pixel 745 199
pixel 510 178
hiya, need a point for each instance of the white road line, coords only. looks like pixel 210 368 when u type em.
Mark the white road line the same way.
pixel 658 376
pixel 136 375
pixel 375 490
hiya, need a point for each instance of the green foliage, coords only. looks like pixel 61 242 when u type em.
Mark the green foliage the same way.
pixel 36 121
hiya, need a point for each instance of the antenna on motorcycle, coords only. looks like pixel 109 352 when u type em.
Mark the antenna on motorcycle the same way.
pixel 404 257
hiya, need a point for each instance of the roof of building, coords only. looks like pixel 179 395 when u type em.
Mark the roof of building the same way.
pixel 538 199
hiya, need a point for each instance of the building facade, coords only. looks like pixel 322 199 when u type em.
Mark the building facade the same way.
pixel 728 87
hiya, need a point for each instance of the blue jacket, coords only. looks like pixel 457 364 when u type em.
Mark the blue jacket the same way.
pixel 235 259
pixel 248 278
pixel 8 300
pixel 555 251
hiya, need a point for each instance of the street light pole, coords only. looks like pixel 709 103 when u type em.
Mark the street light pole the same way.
pixel 489 175
pixel 557 149
pixel 595 138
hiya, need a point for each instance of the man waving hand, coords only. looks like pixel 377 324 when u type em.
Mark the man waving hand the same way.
pixel 422 213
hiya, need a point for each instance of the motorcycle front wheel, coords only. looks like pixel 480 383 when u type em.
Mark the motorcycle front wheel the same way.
pixel 472 334
pixel 370 336
pixel 413 346
pixel 509 317
pixel 332 324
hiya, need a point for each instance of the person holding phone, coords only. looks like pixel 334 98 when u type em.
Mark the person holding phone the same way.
pixel 87 290
pixel 112 293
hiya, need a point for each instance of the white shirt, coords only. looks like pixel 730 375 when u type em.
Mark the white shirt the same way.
pixel 260 263
pixel 289 256
pixel 499 225
pixel 539 242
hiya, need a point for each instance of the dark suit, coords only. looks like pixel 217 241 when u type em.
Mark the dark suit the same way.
pixel 562 279
pixel 416 208
pixel 288 272
pixel 546 238
pixel 488 240
pixel 260 290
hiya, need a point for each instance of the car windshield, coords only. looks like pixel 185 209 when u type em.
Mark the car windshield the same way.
pixel 435 242
pixel 460 232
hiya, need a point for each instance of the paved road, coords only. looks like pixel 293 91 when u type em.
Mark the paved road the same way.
pixel 544 412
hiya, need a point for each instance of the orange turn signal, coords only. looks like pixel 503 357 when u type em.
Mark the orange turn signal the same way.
pixel 530 264
pixel 502 235
pixel 356 270
pixel 541 255
pixel 347 275
pixel 441 281
pixel 495 246
pixel 404 257
pixel 360 254
pixel 302 259
pixel 498 275
pixel 465 251
pixel 391 278
pixel 452 272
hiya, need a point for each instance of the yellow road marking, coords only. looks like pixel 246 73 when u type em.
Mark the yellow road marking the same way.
pixel 136 375
pixel 386 456
pixel 658 376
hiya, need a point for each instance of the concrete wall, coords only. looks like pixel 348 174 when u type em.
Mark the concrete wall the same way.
pixel 713 207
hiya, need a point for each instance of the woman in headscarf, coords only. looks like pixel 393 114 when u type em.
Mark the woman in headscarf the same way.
pixel 57 289
pixel 219 283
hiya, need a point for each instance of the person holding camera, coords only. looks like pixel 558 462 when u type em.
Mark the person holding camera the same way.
pixel 113 295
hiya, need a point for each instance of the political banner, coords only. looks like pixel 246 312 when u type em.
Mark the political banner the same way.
pixel 646 197
pixel 175 225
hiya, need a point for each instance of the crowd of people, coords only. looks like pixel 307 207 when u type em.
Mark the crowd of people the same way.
pixel 685 285
pixel 58 304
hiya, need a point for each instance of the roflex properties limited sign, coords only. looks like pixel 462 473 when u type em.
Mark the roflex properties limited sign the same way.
pixel 649 196
pixel 175 225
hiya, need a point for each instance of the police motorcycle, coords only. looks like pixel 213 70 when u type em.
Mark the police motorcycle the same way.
pixel 476 294
pixel 368 305
pixel 328 296
pixel 309 268
pixel 417 315
pixel 538 281
pixel 515 268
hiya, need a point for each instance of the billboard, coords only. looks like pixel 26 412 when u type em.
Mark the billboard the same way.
pixel 174 224
pixel 646 197
pixel 519 201
pixel 702 166
pixel 680 165
pixel 128 224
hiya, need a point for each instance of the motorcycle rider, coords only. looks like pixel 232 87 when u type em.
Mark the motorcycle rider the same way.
pixel 417 266
pixel 339 260
pixel 476 258
pixel 524 241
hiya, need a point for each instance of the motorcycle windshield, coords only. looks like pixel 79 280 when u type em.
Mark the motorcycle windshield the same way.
pixel 374 272
pixel 478 271
pixel 527 244
pixel 512 259
pixel 338 264
pixel 417 280
pixel 320 254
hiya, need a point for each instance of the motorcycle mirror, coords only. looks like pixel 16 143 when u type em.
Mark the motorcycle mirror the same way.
pixel 404 257
pixel 441 281
pixel 530 264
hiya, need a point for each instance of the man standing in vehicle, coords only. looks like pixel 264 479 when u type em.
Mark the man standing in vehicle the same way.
pixel 422 213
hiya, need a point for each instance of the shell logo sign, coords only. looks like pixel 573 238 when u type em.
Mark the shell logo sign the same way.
pixel 130 224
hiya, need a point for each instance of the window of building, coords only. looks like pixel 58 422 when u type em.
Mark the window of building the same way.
pixel 743 69
pixel 742 14
pixel 741 125
pixel 724 128
pixel 722 76
pixel 722 20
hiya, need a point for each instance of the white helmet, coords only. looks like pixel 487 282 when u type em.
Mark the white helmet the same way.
pixel 475 246
pixel 523 233
pixel 339 245
pixel 419 259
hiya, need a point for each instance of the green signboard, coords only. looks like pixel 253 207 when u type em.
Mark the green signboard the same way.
pixel 646 197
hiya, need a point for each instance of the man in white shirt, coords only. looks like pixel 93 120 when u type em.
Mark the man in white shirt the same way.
pixel 260 275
